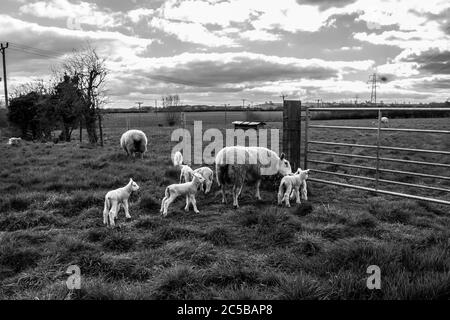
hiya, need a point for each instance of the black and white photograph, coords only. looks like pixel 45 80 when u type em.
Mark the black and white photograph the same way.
pixel 239 152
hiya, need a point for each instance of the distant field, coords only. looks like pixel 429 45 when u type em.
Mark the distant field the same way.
pixel 51 217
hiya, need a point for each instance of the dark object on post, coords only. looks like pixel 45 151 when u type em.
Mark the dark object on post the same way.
pixel 245 125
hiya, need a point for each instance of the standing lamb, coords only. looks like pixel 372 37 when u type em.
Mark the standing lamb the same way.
pixel 237 165
pixel 188 189
pixel 208 175
pixel 134 141
pixel 114 199
pixel 293 183
pixel 385 120
pixel 186 171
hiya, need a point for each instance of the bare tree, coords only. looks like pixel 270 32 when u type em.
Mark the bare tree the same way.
pixel 172 106
pixel 90 70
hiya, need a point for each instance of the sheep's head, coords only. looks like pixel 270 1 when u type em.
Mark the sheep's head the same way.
pixel 208 184
pixel 198 178
pixel 284 167
pixel 134 185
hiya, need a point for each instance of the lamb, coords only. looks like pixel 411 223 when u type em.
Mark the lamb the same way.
pixel 293 183
pixel 188 189
pixel 208 175
pixel 14 141
pixel 134 141
pixel 186 171
pixel 114 199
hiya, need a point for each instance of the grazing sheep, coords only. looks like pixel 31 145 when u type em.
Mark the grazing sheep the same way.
pixel 186 173
pixel 208 175
pixel 293 183
pixel 250 165
pixel 15 142
pixel 114 199
pixel 188 189
pixel 134 141
pixel 384 120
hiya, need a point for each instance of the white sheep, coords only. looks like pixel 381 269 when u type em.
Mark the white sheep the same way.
pixel 186 173
pixel 177 159
pixel 114 199
pixel 384 120
pixel 188 189
pixel 293 183
pixel 208 175
pixel 134 141
pixel 14 141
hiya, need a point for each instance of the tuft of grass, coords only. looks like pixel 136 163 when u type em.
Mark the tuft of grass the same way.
pixel 402 211
pixel 172 173
pixel 18 259
pixel 149 203
pixel 177 283
pixel 29 219
pixel 219 236
pixel 301 287
pixel 119 241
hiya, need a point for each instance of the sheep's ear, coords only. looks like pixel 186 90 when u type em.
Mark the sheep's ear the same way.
pixel 282 156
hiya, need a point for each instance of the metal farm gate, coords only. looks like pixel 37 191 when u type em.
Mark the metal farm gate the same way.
pixel 378 158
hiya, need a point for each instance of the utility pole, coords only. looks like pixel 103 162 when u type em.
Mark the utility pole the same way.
pixel 243 103
pixel 3 49
pixel 283 96
pixel 140 104
pixel 373 81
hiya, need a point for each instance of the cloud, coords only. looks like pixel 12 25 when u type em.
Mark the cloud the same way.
pixel 433 60
pixel 326 4
pixel 191 32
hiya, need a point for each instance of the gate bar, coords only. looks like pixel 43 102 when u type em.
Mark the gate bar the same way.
pixel 382 170
pixel 380 180
pixel 381 147
pixel 319 126
pixel 380 191
pixel 376 109
pixel 381 158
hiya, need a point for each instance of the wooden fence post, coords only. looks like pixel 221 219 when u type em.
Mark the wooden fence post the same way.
pixel 292 132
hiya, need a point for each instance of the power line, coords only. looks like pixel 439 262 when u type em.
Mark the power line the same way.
pixel 37 54
pixel 44 51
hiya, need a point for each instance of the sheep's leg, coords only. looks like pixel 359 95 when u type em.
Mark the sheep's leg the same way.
pixel 236 192
pixel 304 191
pixel 258 195
pixel 162 204
pixel 167 204
pixel 126 208
pixel 297 195
pixel 186 208
pixel 224 199
pixel 181 177
pixel 286 196
pixel 194 203
pixel 105 213
pixel 280 194
pixel 113 212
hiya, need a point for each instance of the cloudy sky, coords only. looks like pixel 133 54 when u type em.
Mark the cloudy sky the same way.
pixel 223 51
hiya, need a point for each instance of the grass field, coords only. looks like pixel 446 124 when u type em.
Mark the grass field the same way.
pixel 51 218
